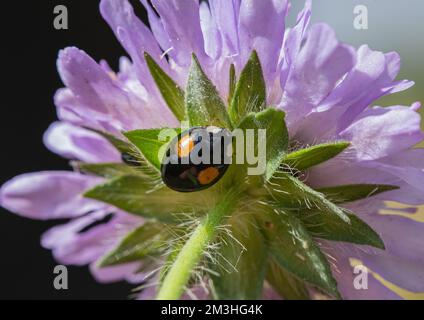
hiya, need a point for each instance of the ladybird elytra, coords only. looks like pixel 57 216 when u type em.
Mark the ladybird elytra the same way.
pixel 184 146
pixel 196 159
pixel 208 175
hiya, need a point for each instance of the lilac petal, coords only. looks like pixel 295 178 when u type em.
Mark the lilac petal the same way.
pixel 134 36
pixel 403 237
pixel 369 68
pixel 210 32
pixel 120 272
pixel 408 166
pixel 344 274
pixel 71 244
pixel 371 78
pixel 405 274
pixel 157 27
pixel 81 144
pixel 93 88
pixel 70 247
pixel 261 28
pixel 313 76
pixel 409 158
pixel 181 22
pixel 380 132
pixel 412 176
pixel 48 195
pixel 149 291
pixel 293 40
pixel 102 97
pixel 69 109
pixel 226 15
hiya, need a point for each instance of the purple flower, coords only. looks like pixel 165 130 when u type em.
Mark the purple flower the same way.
pixel 325 87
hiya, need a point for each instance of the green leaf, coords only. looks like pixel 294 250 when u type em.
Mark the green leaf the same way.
pixel 293 249
pixel 203 104
pixel 232 83
pixel 322 225
pixel 353 192
pixel 145 240
pixel 106 170
pixel 250 93
pixel 312 156
pixel 286 285
pixel 171 92
pixel 241 260
pixel 148 143
pixel 290 193
pixel 276 138
pixel 139 196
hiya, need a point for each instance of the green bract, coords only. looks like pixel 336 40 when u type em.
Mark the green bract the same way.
pixel 244 231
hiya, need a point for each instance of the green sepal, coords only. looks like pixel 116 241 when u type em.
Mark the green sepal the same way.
pixel 322 225
pixel 290 193
pixel 241 260
pixel 107 170
pixel 232 83
pixel 306 158
pixel 294 250
pixel 171 92
pixel 286 285
pixel 148 239
pixel 276 137
pixel 204 106
pixel 250 92
pixel 141 197
pixel 353 192
pixel 152 143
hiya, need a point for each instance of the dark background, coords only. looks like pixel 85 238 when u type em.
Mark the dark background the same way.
pixel 29 47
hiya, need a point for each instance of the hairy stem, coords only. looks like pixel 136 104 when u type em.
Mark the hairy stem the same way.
pixel 191 253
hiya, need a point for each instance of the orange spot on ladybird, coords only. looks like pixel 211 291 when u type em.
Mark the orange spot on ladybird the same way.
pixel 208 175
pixel 184 147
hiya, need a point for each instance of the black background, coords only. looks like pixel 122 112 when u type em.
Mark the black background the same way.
pixel 29 48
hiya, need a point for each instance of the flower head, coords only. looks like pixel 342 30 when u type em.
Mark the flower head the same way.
pixel 333 160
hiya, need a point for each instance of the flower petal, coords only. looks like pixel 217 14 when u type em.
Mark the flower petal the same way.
pixel 403 237
pixel 71 243
pixel 313 76
pixel 48 195
pixel 134 36
pixel 261 28
pixel 226 14
pixel 181 22
pixel 293 41
pixel 380 132
pixel 371 78
pixel 118 273
pixel 210 31
pixel 405 274
pixel 101 96
pixel 345 277
pixel 73 142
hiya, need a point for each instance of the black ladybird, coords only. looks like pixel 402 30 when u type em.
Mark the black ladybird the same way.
pixel 197 158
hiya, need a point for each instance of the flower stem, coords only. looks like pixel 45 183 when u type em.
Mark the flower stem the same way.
pixel 191 253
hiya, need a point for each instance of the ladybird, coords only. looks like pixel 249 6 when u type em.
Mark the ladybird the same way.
pixel 197 158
